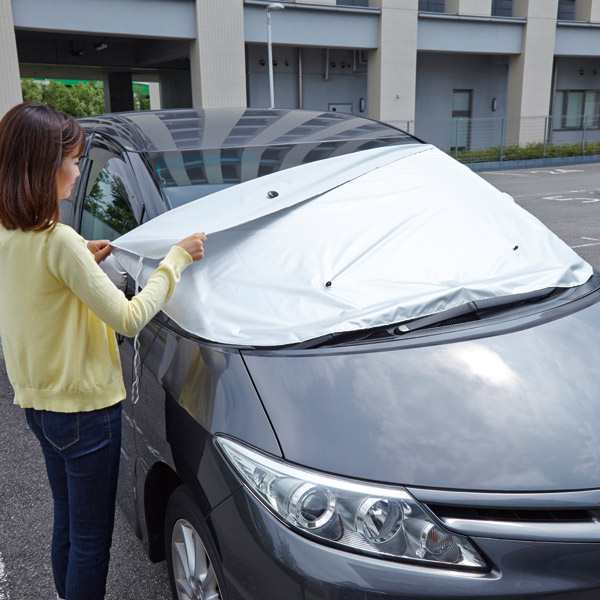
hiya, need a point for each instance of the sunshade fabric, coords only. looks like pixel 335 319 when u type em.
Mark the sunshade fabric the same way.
pixel 351 242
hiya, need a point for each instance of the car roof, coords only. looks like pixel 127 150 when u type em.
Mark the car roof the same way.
pixel 218 128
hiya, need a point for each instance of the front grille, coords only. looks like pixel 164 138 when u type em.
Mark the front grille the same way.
pixel 517 516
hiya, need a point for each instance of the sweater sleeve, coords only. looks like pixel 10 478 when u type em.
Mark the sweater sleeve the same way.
pixel 70 261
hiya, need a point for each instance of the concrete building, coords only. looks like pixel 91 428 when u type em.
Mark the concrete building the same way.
pixel 458 73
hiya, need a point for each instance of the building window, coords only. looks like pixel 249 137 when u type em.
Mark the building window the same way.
pixel 502 8
pixel 435 6
pixel 577 109
pixel 566 10
pixel 353 2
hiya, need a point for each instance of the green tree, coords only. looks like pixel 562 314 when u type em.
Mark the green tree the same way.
pixel 32 91
pixel 108 202
pixel 79 100
pixel 141 101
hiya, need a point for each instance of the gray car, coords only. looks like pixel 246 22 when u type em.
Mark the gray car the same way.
pixel 458 457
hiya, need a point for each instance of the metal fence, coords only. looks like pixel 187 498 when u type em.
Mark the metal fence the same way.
pixel 498 139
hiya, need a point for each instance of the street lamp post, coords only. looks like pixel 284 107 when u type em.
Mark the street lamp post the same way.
pixel 270 7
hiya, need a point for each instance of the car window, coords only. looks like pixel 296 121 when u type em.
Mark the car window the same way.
pixel 191 174
pixel 108 210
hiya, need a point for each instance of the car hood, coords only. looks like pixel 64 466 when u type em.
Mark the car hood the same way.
pixel 517 411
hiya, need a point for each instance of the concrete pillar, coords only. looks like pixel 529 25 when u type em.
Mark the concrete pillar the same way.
pixel 587 10
pixel 392 69
pixel 472 8
pixel 106 92
pixel 530 73
pixel 217 56
pixel 175 89
pixel 10 89
pixel 154 95
pixel 118 91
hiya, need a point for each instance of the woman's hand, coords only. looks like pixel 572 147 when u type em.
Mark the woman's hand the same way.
pixel 194 245
pixel 100 249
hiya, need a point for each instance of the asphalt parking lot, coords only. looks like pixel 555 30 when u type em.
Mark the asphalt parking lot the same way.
pixel 566 199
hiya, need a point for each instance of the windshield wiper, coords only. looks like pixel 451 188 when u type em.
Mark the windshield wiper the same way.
pixel 474 308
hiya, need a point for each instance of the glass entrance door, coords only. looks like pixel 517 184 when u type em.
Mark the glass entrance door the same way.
pixel 462 107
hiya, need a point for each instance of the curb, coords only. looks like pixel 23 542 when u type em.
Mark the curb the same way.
pixel 506 165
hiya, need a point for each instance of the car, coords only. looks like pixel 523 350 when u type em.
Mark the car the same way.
pixel 450 454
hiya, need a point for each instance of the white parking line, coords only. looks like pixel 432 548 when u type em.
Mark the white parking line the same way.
pixel 558 198
pixel 578 246
pixel 589 239
pixel 562 198
pixel 4 593
pixel 507 172
pixel 555 171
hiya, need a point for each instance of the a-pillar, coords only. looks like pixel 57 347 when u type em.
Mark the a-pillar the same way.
pixel 472 8
pixel 10 89
pixel 118 91
pixel 217 56
pixel 530 73
pixel 392 69
pixel 587 10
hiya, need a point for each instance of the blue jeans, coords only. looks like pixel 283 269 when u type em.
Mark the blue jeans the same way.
pixel 82 453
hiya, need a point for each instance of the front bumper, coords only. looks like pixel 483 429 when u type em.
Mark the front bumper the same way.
pixel 265 560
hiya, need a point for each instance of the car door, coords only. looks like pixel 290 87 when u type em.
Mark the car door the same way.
pixel 109 206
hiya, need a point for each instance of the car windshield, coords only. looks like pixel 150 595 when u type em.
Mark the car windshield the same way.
pixel 192 174
pixel 351 242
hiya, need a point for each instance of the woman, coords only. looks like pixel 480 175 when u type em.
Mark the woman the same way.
pixel 58 316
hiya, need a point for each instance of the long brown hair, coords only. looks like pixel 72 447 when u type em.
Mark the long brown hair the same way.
pixel 34 140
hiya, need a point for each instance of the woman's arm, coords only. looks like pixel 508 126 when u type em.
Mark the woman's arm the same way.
pixel 70 261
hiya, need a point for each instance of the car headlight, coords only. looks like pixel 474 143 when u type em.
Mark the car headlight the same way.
pixel 383 521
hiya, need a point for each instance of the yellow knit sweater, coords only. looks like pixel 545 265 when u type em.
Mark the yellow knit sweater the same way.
pixel 58 315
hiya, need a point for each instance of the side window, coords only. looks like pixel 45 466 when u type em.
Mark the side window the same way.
pixel 109 209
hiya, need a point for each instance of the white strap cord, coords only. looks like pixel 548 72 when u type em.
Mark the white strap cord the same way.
pixel 135 386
